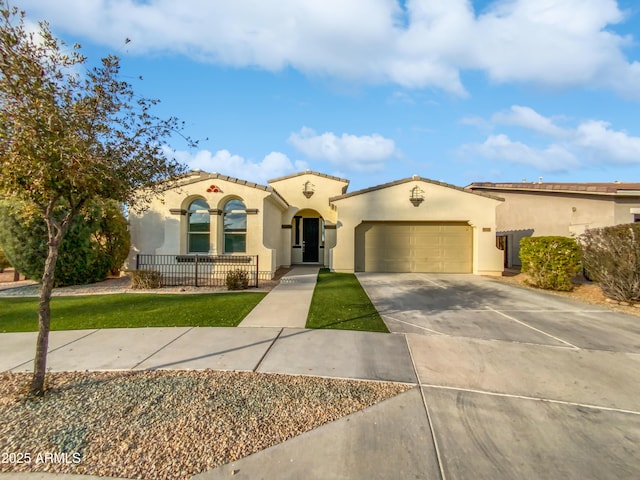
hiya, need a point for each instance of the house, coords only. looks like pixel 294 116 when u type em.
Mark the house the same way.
pixel 565 209
pixel 410 225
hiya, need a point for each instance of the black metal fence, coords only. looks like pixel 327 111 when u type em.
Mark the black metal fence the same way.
pixel 199 270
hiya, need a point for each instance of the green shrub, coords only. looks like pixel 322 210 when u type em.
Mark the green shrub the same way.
pixel 112 236
pixel 86 252
pixel 611 257
pixel 145 279
pixel 4 261
pixel 551 262
pixel 237 279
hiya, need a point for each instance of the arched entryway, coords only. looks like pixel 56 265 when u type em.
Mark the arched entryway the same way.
pixel 307 242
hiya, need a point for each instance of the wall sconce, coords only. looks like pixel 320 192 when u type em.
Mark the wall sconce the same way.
pixel 308 190
pixel 417 196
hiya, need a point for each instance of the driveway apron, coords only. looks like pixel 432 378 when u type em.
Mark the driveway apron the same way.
pixel 518 383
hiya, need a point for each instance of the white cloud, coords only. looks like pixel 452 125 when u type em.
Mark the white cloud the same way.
pixel 359 153
pixel 549 42
pixel 551 159
pixel 606 145
pixel 428 44
pixel 528 118
pixel 274 165
pixel 589 142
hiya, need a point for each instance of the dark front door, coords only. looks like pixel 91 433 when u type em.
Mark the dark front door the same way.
pixel 310 234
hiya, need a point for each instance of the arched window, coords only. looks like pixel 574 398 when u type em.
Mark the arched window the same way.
pixel 235 227
pixel 199 221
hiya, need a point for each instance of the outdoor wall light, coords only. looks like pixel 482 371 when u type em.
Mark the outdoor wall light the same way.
pixel 417 196
pixel 308 189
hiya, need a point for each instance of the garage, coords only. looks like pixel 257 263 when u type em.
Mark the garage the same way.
pixel 425 247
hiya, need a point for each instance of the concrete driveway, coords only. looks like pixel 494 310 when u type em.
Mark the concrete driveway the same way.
pixel 518 383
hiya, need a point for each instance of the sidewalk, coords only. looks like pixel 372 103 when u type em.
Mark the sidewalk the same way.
pixel 327 353
pixel 287 305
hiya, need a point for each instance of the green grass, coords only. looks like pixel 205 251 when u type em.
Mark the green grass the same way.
pixel 130 310
pixel 340 302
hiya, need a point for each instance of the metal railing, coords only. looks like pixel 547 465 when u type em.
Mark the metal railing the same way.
pixel 199 270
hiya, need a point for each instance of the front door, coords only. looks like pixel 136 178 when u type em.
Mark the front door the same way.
pixel 310 234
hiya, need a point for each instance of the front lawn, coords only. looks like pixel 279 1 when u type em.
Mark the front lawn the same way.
pixel 340 302
pixel 130 310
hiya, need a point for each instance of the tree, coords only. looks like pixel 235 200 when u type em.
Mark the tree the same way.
pixel 70 134
pixel 96 244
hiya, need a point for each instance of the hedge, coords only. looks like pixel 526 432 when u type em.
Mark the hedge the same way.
pixel 611 257
pixel 551 262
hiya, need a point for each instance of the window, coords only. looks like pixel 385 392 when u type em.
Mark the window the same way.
pixel 235 227
pixel 199 220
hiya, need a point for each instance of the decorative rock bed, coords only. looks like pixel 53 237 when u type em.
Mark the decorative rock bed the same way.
pixel 165 424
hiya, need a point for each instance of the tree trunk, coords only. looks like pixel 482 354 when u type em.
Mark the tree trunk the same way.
pixel 44 311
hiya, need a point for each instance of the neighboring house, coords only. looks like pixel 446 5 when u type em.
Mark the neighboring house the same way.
pixel 566 209
pixel 411 225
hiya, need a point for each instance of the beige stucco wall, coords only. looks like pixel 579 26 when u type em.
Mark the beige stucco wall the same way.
pixel 623 207
pixel 158 231
pixel 441 203
pixel 317 205
pixel 549 214
pixel 272 232
pixel 291 189
pixel 525 214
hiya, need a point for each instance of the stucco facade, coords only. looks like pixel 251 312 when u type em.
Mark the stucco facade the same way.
pixel 310 218
pixel 442 204
pixel 564 209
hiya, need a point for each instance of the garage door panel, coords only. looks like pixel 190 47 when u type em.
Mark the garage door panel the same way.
pixel 416 247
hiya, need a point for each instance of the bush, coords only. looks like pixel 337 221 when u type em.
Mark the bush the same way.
pixel 86 253
pixel 145 279
pixel 611 257
pixel 237 279
pixel 4 261
pixel 112 236
pixel 551 262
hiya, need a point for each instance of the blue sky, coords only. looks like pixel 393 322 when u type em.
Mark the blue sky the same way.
pixel 377 90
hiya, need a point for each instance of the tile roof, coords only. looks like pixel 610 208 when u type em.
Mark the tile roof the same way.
pixel 594 188
pixel 413 179
pixel 309 172
pixel 198 176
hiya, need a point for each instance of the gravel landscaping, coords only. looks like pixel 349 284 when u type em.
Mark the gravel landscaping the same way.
pixel 583 291
pixel 165 424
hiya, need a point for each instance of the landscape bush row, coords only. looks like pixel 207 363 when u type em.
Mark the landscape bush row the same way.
pixel 609 256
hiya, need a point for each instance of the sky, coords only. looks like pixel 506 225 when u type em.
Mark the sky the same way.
pixel 374 91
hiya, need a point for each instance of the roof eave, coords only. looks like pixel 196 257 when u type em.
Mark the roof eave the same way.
pixel 309 172
pixel 415 178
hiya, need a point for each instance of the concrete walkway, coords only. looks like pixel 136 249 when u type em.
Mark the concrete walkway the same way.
pixel 287 305
pixel 327 353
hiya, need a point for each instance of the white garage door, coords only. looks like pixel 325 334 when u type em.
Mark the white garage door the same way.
pixel 414 247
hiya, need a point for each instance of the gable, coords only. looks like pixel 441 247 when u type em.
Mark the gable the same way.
pixel 416 179
pixel 216 188
pixel 310 190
